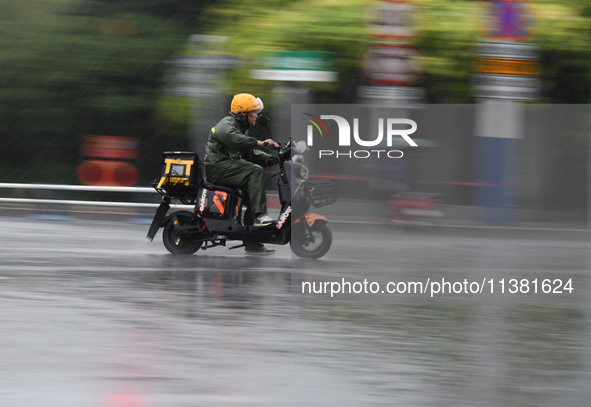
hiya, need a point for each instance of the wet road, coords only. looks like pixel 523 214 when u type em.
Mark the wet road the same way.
pixel 94 315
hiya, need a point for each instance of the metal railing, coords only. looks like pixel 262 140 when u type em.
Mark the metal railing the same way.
pixel 134 206
pixel 86 188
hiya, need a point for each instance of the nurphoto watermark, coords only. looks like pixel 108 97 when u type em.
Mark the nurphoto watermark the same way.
pixel 354 133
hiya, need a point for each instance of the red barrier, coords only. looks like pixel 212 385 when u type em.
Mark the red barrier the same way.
pixel 108 173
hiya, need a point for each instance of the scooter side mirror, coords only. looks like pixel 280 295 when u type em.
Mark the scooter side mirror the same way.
pixel 300 147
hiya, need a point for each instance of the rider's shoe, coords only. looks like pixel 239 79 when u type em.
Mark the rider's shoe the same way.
pixel 263 220
pixel 258 249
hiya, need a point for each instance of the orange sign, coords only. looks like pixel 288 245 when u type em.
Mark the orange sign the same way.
pixel 499 66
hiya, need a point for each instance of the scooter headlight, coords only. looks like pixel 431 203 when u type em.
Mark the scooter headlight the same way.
pixel 304 172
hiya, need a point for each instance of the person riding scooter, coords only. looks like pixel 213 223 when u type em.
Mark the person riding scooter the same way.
pixel 232 158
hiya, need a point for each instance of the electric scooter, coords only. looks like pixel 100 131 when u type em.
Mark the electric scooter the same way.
pixel 218 213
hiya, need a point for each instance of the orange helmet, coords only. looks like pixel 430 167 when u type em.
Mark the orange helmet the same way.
pixel 245 102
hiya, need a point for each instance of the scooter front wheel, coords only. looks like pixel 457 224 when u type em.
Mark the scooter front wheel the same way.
pixel 313 243
pixel 176 244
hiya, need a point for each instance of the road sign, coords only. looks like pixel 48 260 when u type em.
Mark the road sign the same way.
pixel 508 20
pixel 204 62
pixel 385 64
pixel 507 50
pixel 393 20
pixel 197 76
pixel 506 70
pixel 391 95
pixel 296 66
pixel 505 87
pixel 507 66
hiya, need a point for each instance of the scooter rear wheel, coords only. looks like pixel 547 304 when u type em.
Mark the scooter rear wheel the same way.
pixel 313 245
pixel 176 244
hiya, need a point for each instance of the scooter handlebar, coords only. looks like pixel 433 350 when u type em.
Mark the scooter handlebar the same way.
pixel 266 145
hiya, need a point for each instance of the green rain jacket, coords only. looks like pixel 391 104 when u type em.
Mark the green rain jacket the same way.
pixel 229 142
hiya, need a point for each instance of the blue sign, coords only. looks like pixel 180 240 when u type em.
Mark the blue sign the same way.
pixel 508 20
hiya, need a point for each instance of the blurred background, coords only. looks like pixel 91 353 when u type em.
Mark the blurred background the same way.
pixel 92 91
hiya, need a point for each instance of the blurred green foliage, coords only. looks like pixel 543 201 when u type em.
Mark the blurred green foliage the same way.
pixel 75 67
pixel 449 32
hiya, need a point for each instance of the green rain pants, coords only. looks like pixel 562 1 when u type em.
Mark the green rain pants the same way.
pixel 243 174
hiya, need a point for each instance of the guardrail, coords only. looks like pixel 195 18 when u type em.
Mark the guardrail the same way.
pixel 87 188
pixel 133 208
